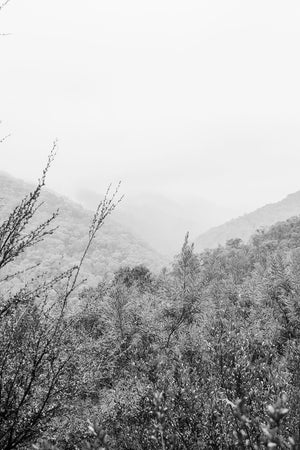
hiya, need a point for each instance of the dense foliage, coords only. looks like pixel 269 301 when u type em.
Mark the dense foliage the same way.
pixel 204 355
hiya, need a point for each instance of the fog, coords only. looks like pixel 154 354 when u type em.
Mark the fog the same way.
pixel 180 98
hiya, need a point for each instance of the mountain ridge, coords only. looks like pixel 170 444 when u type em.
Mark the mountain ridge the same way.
pixel 244 226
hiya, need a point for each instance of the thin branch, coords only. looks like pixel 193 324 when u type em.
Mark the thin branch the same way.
pixel 8 135
pixel 19 272
pixel 4 4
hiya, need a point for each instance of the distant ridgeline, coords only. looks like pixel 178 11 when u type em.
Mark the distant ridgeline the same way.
pixel 245 226
pixel 113 247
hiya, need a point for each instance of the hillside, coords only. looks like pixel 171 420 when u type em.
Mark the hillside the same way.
pixel 113 247
pixel 160 220
pixel 243 227
pixel 221 325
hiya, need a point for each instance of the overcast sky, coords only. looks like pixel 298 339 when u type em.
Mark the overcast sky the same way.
pixel 168 96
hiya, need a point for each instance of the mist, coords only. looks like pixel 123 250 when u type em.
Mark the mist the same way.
pixel 173 98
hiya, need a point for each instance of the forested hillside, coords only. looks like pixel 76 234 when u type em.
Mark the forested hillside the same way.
pixel 243 227
pixel 204 355
pixel 113 247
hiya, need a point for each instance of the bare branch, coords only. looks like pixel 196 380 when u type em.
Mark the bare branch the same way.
pixel 2 5
pixel 8 135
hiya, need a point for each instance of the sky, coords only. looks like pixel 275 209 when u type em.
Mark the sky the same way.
pixel 190 97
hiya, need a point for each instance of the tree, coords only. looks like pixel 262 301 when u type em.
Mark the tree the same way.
pixel 183 290
pixel 139 276
pixel 36 348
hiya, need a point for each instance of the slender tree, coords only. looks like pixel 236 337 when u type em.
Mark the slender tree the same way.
pixel 36 349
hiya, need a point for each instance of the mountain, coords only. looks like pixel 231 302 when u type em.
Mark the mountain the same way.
pixel 113 247
pixel 243 227
pixel 162 221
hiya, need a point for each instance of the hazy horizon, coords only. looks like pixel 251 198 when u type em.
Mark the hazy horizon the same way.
pixel 176 98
